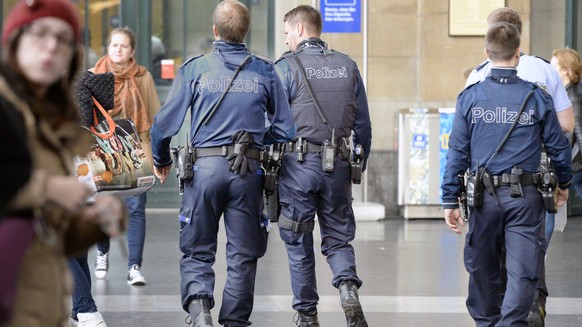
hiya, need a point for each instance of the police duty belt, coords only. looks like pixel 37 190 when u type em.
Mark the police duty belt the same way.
pixel 225 151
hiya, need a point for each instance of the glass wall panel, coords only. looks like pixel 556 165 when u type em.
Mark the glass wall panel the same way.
pixel 179 29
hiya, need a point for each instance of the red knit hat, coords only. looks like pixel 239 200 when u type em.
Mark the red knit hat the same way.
pixel 26 11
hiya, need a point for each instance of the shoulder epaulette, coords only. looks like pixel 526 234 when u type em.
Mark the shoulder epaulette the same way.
pixel 481 65
pixel 470 86
pixel 544 59
pixel 190 59
pixel 285 54
pixel 263 58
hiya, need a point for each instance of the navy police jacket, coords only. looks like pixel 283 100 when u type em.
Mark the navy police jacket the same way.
pixel 255 102
pixel 337 87
pixel 484 114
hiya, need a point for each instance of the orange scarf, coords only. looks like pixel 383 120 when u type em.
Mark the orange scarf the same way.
pixel 127 97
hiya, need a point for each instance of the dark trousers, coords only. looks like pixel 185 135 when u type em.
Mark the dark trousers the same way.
pixel 516 224
pixel 305 190
pixel 217 191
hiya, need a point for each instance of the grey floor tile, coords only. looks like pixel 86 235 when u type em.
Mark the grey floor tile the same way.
pixel 413 275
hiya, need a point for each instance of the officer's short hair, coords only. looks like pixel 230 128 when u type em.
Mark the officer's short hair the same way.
pixel 570 61
pixel 232 20
pixel 307 15
pixel 502 41
pixel 505 15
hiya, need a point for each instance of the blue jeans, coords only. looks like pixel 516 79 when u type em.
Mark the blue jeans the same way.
pixel 136 229
pixel 82 298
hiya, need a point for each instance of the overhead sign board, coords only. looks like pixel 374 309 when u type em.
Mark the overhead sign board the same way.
pixel 341 16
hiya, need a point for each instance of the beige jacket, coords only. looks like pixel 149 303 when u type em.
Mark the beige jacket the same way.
pixel 45 285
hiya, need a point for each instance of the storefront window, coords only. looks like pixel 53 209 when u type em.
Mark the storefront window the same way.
pixel 168 33
pixel 179 29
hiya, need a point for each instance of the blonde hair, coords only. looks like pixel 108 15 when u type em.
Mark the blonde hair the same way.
pixel 570 61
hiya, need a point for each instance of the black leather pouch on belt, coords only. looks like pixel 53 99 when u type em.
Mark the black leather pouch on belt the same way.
pixel 475 189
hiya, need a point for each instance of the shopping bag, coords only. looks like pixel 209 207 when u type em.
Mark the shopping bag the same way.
pixel 117 162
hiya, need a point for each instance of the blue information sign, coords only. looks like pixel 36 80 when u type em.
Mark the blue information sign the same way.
pixel 341 16
pixel 419 141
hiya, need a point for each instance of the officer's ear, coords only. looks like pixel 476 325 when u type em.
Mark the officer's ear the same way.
pixel 299 29
pixel 215 32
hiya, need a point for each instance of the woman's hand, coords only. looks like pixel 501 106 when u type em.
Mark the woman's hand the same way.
pixel 108 211
pixel 67 192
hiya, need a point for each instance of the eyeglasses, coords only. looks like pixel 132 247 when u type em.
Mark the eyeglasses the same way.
pixel 42 35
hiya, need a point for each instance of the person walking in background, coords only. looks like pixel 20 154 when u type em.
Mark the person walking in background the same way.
pixel 40 57
pixel 569 66
pixel 503 156
pixel 227 133
pixel 158 54
pixel 530 68
pixel 135 98
pixel 88 86
pixel 328 102
pixel 539 71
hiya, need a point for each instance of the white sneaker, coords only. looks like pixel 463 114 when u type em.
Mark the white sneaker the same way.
pixel 91 319
pixel 134 276
pixel 101 264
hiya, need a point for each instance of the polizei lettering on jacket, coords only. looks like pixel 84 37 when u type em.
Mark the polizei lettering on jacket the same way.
pixel 326 72
pixel 220 85
pixel 501 115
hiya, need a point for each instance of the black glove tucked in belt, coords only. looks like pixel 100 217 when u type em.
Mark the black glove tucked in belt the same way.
pixel 237 161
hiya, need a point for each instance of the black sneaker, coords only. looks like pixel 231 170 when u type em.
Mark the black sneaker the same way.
pixel 351 304
pixel 306 319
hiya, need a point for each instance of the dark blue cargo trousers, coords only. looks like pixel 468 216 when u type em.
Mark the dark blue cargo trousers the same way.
pixel 215 191
pixel 306 190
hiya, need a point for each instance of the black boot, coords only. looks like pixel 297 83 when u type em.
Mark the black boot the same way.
pixel 200 313
pixel 537 315
pixel 351 304
pixel 307 319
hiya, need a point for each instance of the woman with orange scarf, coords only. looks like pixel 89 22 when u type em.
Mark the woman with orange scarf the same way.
pixel 135 98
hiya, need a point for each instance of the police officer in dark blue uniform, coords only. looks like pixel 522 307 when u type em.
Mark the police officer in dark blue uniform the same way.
pixel 505 174
pixel 227 176
pixel 539 71
pixel 328 102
